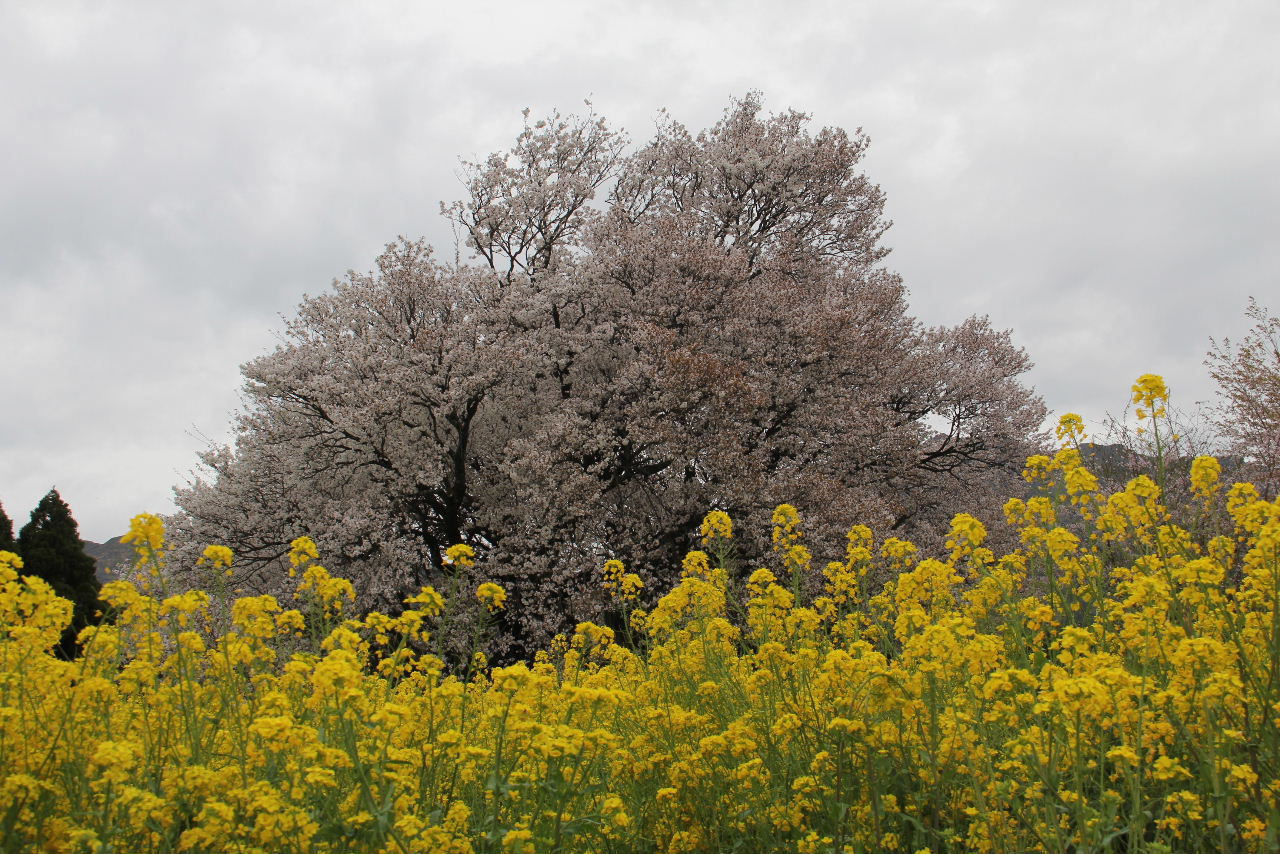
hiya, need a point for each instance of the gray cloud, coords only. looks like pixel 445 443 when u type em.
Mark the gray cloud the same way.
pixel 1097 177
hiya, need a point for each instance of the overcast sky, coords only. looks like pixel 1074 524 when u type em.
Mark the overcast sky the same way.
pixel 1101 178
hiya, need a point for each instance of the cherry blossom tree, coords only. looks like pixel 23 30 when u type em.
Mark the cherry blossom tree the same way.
pixel 1248 416
pixel 706 322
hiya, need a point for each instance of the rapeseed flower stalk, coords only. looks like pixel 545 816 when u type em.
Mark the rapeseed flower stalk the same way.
pixel 1151 398
pixel 716 535
pixel 1070 430
pixel 965 706
pixel 1150 394
pixel 613 572
pixel 786 528
pixel 1206 474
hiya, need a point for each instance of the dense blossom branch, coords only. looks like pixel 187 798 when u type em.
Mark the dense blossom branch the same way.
pixel 1248 377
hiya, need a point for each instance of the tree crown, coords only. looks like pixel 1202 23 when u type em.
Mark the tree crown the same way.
pixel 718 331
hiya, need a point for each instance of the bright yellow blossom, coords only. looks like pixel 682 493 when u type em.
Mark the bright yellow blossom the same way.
pixel 302 550
pixel 219 556
pixel 716 525
pixel 146 533
pixel 461 555
pixel 492 595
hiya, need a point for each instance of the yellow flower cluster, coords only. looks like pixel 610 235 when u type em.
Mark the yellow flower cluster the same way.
pixel 461 555
pixel 219 557
pixel 301 551
pixel 716 525
pixel 492 595
pixel 619 583
pixel 146 534
pixel 1114 686
pixel 1150 395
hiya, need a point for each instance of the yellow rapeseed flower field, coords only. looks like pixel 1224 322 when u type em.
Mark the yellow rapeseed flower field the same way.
pixel 1111 685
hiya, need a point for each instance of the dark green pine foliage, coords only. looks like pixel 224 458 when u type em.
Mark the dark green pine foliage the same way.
pixel 51 549
pixel 7 543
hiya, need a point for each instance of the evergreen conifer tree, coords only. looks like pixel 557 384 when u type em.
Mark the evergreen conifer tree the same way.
pixel 7 543
pixel 51 549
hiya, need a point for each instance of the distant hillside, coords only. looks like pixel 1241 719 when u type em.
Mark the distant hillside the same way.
pixel 107 556
pixel 1117 464
pixel 1114 462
